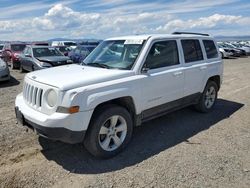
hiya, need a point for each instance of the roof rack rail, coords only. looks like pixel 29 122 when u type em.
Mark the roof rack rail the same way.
pixel 179 33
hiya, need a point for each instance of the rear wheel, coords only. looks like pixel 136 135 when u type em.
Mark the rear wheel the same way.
pixel 208 97
pixel 109 132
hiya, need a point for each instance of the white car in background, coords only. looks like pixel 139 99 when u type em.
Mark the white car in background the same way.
pixel 70 44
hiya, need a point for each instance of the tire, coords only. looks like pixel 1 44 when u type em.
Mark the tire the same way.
pixel 13 65
pixel 208 98
pixel 114 139
pixel 222 55
pixel 21 69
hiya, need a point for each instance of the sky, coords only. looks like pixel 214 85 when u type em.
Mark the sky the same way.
pixel 79 19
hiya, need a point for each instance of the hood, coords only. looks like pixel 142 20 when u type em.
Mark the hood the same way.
pixel 74 76
pixel 54 60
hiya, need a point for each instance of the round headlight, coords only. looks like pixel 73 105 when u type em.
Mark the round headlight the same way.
pixel 52 98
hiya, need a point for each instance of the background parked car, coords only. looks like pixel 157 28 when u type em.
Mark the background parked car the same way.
pixel 11 53
pixel 240 51
pixel 244 48
pixel 225 52
pixel 41 57
pixel 1 50
pixel 80 53
pixel 70 44
pixel 64 49
pixel 236 52
pixel 4 71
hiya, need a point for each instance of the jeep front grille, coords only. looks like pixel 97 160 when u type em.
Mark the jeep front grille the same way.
pixel 32 95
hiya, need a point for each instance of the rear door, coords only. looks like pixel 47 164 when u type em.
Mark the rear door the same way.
pixel 195 66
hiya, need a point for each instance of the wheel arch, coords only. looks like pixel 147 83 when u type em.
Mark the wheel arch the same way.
pixel 215 79
pixel 126 101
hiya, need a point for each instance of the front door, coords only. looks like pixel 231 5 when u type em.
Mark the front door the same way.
pixel 164 77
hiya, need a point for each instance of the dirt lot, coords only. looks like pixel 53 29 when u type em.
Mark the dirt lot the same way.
pixel 182 149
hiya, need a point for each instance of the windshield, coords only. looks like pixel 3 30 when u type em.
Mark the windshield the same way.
pixel 1 47
pixel 44 52
pixel 117 54
pixel 69 43
pixel 18 47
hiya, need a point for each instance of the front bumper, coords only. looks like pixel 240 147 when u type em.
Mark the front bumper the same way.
pixel 228 54
pixel 68 128
pixel 53 133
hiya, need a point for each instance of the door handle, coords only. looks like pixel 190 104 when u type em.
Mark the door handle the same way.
pixel 203 67
pixel 178 73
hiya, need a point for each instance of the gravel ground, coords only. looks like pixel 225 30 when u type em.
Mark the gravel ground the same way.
pixel 181 149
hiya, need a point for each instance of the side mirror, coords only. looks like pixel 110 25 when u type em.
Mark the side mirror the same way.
pixel 145 69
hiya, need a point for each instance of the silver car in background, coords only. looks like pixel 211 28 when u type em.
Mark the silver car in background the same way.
pixel 4 71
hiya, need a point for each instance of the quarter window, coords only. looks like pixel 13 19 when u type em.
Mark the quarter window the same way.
pixel 192 50
pixel 162 54
pixel 210 49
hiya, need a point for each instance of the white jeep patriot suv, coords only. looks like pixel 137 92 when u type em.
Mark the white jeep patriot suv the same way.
pixel 122 83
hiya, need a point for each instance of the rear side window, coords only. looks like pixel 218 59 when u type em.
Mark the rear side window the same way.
pixel 162 54
pixel 192 50
pixel 210 48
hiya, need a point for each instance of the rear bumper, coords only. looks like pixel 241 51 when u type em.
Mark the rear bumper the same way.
pixel 53 133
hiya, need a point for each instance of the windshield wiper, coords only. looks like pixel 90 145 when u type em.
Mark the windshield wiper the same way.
pixel 99 65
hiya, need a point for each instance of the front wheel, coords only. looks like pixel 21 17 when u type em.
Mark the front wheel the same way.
pixel 13 64
pixel 21 69
pixel 110 131
pixel 222 55
pixel 208 97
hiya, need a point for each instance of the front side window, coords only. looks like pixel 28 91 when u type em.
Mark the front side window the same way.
pixel 162 54
pixel 210 49
pixel 45 52
pixel 192 50
pixel 115 54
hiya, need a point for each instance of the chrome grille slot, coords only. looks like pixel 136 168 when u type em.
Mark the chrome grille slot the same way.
pixel 32 95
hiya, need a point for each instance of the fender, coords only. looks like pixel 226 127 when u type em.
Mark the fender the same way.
pixel 93 100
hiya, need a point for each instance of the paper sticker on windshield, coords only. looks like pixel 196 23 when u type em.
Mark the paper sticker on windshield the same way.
pixel 133 41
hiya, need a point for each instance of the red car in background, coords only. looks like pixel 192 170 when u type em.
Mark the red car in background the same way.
pixel 11 53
